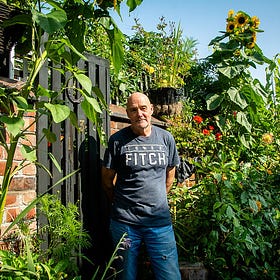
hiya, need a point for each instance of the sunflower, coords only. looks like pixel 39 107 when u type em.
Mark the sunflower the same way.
pixel 230 14
pixel 230 26
pixel 241 19
pixel 250 45
pixel 252 41
pixel 255 21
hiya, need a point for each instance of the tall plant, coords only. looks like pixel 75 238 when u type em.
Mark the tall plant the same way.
pixel 229 219
pixel 234 54
pixel 54 31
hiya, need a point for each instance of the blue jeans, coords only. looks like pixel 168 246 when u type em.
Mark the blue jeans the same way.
pixel 160 245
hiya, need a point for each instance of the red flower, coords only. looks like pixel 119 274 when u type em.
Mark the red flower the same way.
pixel 218 136
pixel 211 127
pixel 198 119
pixel 234 114
pixel 206 131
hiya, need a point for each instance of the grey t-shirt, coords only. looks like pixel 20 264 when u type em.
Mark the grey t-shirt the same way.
pixel 140 163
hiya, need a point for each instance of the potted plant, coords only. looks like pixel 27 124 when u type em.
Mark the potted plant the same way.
pixel 164 58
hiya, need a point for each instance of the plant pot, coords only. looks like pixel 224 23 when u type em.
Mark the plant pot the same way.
pixel 166 101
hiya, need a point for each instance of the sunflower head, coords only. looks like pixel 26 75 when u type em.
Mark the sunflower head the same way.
pixel 230 14
pixel 230 26
pixel 250 45
pixel 241 19
pixel 255 21
pixel 252 41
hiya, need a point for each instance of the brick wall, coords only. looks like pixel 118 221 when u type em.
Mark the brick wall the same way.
pixel 22 189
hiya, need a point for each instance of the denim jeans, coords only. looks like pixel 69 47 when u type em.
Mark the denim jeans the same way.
pixel 160 245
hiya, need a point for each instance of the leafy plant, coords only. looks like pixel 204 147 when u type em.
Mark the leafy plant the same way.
pixel 238 92
pixel 58 261
pixel 164 56
pixel 229 219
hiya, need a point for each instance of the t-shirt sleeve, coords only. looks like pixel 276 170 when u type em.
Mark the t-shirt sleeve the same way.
pixel 108 160
pixel 174 159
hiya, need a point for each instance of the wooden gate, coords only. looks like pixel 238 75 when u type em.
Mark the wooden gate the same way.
pixel 75 150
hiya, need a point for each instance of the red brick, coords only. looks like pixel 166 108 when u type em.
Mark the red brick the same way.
pixel 29 123
pixel 17 184
pixel 2 167
pixel 11 199
pixel 18 154
pixel 30 140
pixel 3 153
pixel 29 196
pixel 11 214
pixel 30 183
pixel 113 125
pixel 30 169
pixel 30 114
pixel 31 214
pixel 23 183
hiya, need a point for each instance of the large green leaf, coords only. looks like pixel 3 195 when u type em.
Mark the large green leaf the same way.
pixel 231 70
pixel 29 153
pixel 213 101
pixel 229 212
pixel 241 118
pixel 51 22
pixel 84 81
pixel 89 111
pixel 132 4
pixel 51 137
pixel 41 91
pixel 59 112
pixel 93 103
pixel 21 102
pixel 236 97
pixel 13 124
pixel 259 94
pixel 100 96
pixel 115 38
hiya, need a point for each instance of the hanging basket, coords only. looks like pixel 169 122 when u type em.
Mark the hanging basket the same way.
pixel 166 101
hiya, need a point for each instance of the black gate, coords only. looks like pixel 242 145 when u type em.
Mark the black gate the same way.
pixel 75 150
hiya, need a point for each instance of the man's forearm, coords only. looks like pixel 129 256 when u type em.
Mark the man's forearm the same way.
pixel 170 176
pixel 108 176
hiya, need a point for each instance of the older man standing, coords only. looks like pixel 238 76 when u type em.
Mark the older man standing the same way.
pixel 143 158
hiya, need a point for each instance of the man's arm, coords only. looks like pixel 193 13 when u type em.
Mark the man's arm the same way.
pixel 170 176
pixel 108 180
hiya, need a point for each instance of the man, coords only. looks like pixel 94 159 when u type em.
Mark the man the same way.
pixel 142 157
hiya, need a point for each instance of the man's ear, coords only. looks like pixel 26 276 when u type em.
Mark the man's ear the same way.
pixel 152 108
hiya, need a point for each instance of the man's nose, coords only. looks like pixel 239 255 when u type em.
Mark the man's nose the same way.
pixel 139 112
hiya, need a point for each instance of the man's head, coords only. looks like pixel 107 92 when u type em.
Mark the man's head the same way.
pixel 139 110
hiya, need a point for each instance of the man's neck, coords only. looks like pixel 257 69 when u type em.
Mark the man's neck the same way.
pixel 142 131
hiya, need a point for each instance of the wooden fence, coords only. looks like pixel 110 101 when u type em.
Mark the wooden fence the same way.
pixel 78 150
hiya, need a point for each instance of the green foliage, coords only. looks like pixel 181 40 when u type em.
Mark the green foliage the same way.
pixel 153 59
pixel 62 221
pixel 58 261
pixel 229 219
pixel 164 55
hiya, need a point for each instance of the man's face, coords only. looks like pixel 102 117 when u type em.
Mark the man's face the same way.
pixel 139 111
